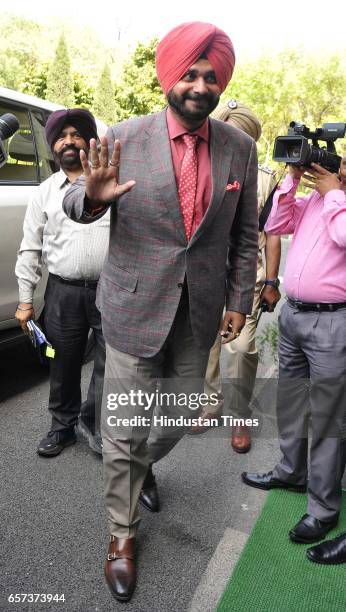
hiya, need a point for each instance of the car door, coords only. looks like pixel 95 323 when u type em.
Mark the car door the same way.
pixel 29 162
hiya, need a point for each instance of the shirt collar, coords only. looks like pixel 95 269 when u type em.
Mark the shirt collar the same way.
pixel 175 129
pixel 61 179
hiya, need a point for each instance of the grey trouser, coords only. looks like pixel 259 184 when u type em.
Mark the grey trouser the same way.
pixel 242 362
pixel 178 368
pixel 312 374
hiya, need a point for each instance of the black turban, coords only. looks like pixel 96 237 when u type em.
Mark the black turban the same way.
pixel 79 118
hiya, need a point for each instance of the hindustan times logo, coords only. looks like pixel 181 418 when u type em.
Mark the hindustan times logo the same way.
pixel 179 421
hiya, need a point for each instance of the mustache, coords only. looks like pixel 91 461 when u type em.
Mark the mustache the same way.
pixel 68 161
pixel 199 97
pixel 69 148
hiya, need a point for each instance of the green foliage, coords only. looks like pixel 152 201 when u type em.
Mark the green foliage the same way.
pixel 269 341
pixel 59 80
pixel 35 83
pixel 10 72
pixel 18 54
pixel 139 92
pixel 83 92
pixel 27 50
pixel 104 103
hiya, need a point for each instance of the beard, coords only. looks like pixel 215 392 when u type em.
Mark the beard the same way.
pixel 205 104
pixel 68 157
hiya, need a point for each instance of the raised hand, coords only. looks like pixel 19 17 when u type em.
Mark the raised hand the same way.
pixel 321 179
pixel 296 172
pixel 102 177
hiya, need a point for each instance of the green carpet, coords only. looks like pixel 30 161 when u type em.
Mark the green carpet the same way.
pixel 273 574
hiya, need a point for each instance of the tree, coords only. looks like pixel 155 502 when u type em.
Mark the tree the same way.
pixel 35 83
pixel 139 91
pixel 10 72
pixel 104 103
pixel 83 91
pixel 59 81
pixel 18 52
pixel 25 46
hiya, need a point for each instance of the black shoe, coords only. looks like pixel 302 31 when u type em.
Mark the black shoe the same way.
pixel 331 552
pixel 149 497
pixel 94 440
pixel 310 529
pixel 267 481
pixel 55 442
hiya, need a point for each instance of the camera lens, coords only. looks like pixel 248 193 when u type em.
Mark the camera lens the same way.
pixel 324 158
pixel 293 151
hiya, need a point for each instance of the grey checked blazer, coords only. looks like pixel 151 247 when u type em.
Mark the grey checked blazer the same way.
pixel 149 256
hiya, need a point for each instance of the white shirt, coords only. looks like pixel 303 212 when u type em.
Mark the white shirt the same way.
pixel 68 249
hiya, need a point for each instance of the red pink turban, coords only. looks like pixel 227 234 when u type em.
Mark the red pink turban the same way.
pixel 184 45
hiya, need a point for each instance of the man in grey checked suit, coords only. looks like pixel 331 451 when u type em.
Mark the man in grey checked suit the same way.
pixel 170 272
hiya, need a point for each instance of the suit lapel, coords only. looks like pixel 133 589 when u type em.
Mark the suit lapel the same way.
pixel 157 153
pixel 221 155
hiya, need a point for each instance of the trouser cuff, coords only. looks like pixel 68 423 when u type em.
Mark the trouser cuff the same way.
pixel 121 531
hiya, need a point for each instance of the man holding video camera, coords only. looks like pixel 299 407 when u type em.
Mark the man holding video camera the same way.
pixel 312 348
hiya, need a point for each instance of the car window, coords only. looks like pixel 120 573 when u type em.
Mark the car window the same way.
pixel 21 165
pixel 46 163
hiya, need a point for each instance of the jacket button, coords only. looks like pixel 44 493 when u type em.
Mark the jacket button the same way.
pixel 180 285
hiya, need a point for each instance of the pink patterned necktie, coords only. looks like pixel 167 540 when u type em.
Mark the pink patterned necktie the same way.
pixel 188 182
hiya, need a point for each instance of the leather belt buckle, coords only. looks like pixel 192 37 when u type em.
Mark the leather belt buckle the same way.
pixel 304 307
pixel 296 304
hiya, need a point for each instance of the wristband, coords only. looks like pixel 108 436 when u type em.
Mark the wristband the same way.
pixel 24 309
pixel 273 283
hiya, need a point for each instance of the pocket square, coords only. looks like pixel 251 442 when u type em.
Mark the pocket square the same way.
pixel 233 186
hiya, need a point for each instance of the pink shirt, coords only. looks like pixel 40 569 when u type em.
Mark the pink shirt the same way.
pixel 178 148
pixel 316 263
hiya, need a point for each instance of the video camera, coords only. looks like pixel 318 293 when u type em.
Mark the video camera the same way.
pixel 9 124
pixel 295 148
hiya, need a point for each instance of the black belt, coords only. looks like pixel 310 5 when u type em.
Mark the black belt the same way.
pixel 316 307
pixel 89 284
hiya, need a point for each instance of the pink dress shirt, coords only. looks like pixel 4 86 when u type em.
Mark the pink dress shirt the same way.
pixel 204 182
pixel 316 263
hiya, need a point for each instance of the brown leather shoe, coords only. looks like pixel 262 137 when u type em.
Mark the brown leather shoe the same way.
pixel 120 567
pixel 200 428
pixel 241 439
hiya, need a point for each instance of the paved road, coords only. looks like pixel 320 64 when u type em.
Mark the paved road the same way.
pixel 53 528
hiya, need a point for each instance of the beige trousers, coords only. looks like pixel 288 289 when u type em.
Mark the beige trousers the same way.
pixel 242 362
pixel 130 446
